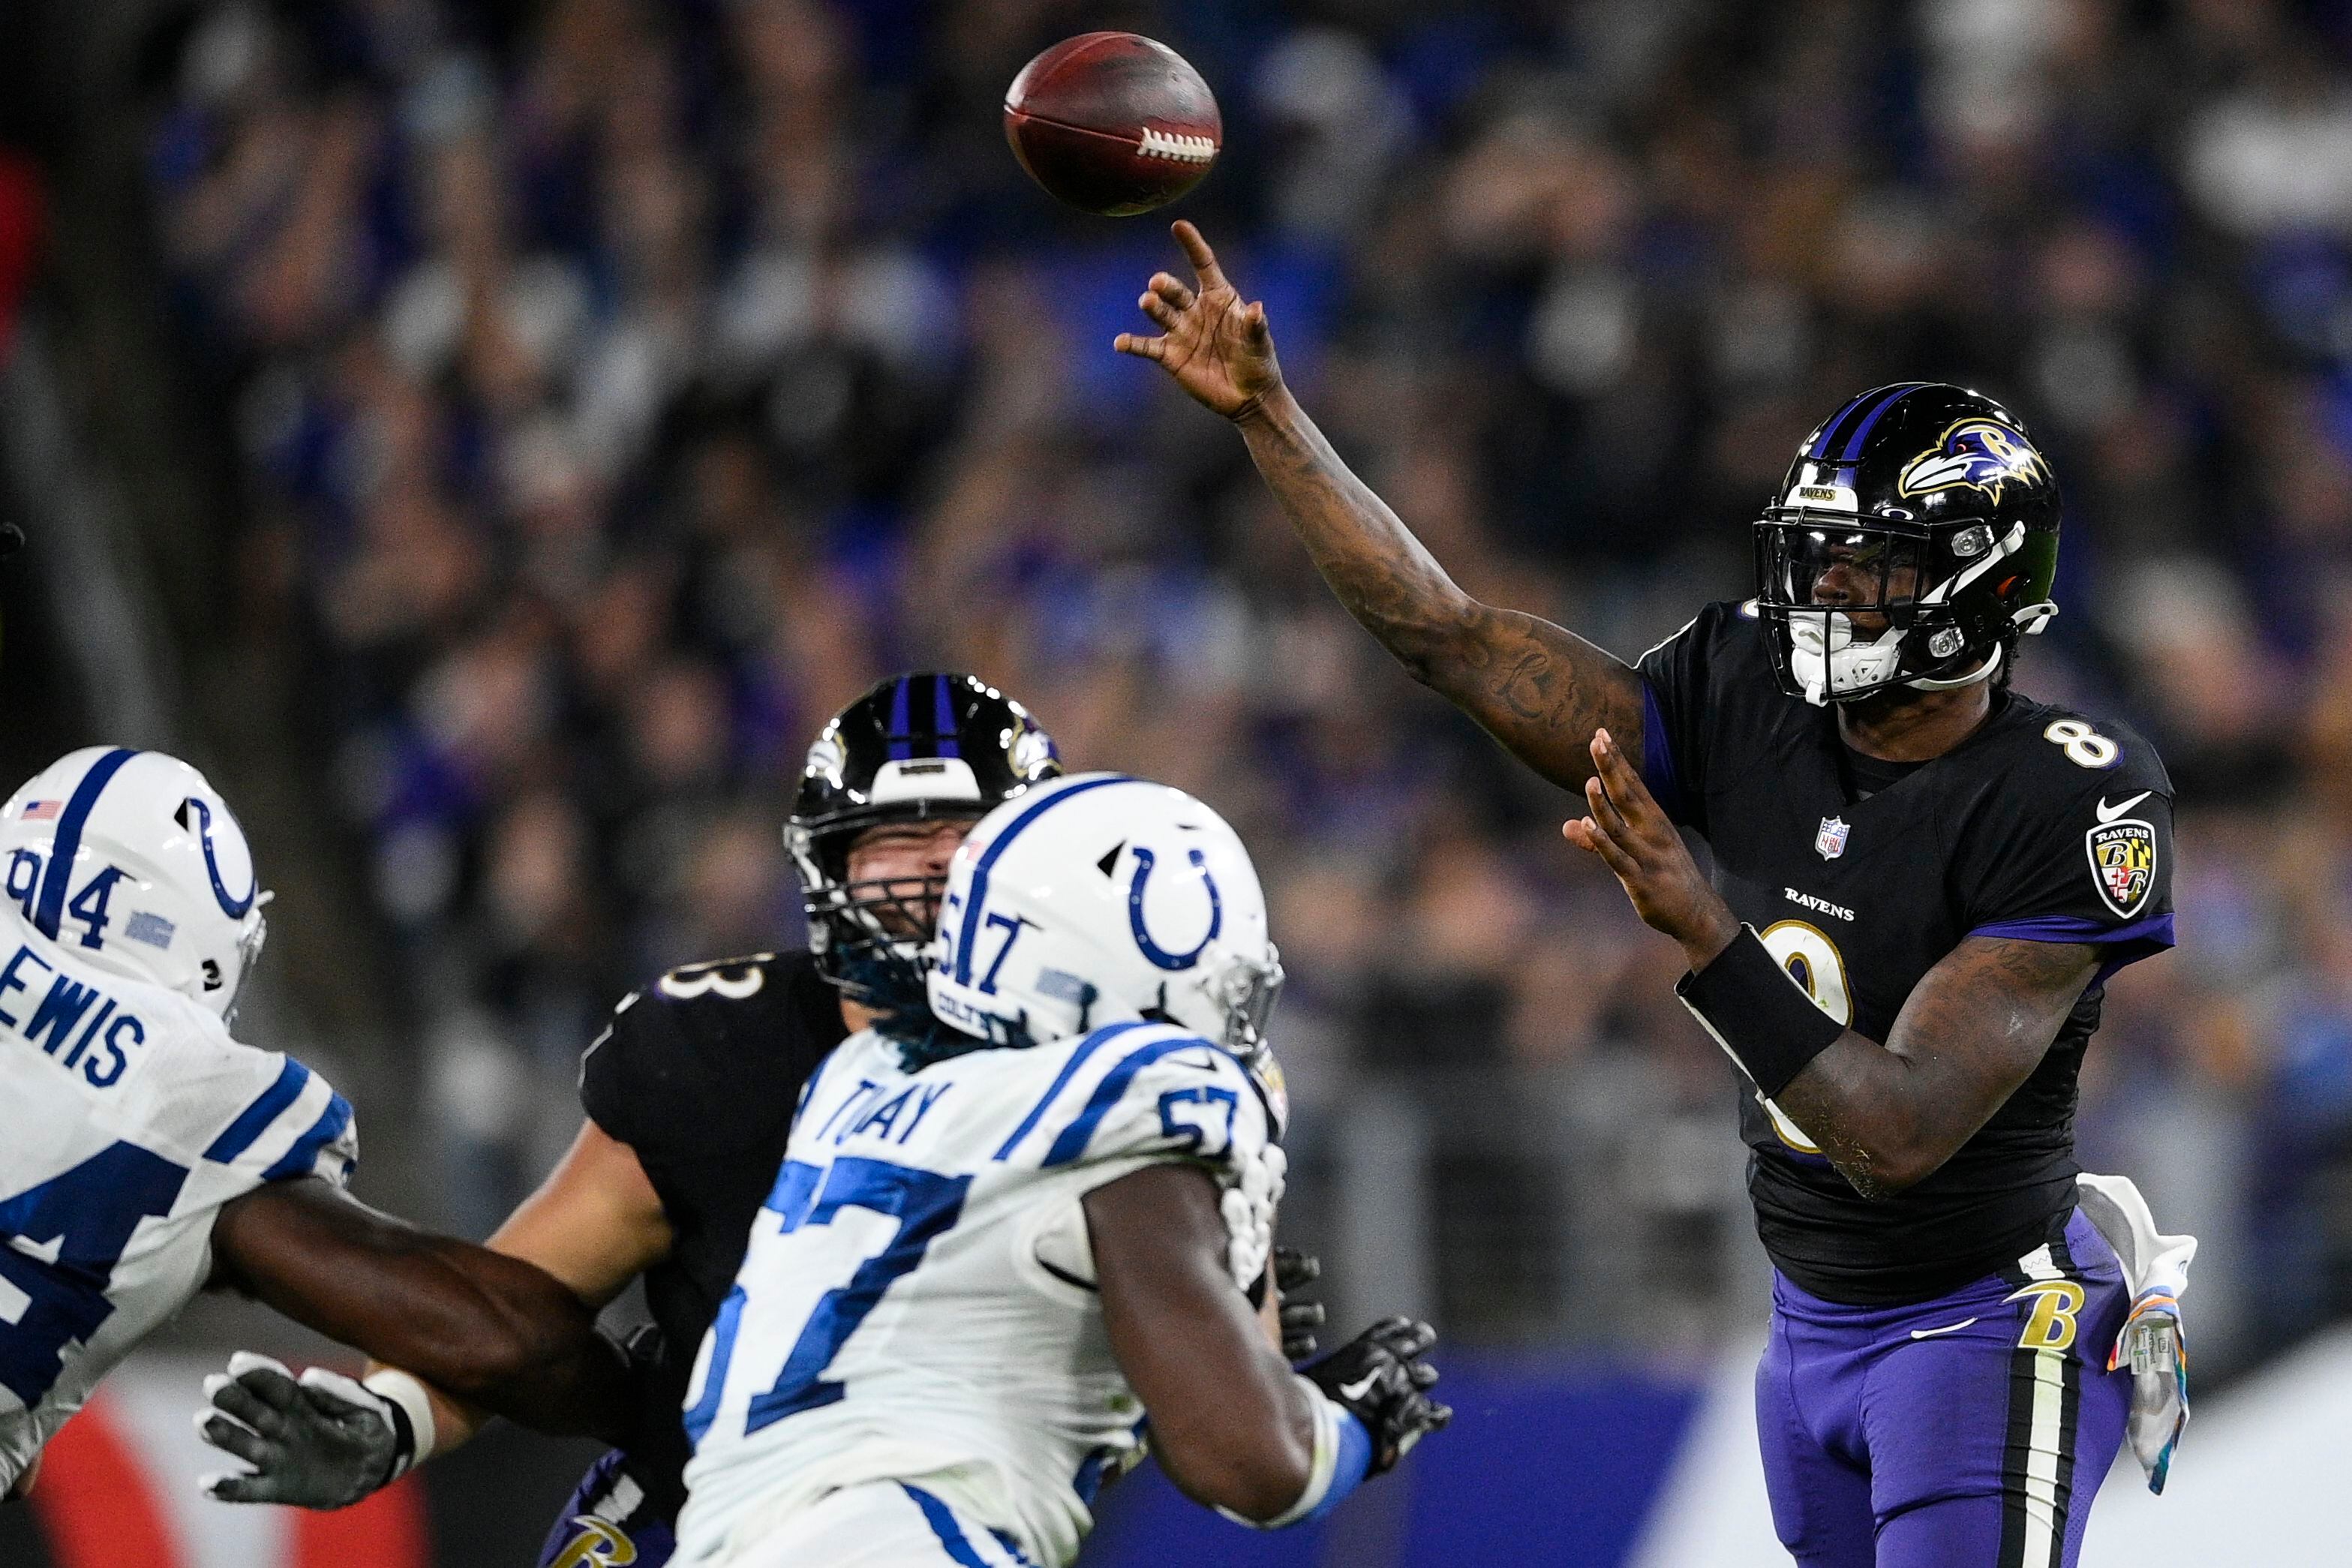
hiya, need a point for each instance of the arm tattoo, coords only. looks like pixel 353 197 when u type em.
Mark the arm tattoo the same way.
pixel 1538 689
pixel 1973 1030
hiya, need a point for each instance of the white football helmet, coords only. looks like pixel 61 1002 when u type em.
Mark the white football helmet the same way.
pixel 1097 898
pixel 134 864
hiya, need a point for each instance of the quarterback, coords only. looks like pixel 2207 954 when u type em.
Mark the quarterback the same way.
pixel 146 1154
pixel 1920 882
pixel 992 1253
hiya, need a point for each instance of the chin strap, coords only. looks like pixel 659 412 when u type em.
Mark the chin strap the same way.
pixel 1982 672
pixel 2028 622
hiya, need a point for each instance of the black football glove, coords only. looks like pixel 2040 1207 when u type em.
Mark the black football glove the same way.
pixel 1294 1271
pixel 1379 1378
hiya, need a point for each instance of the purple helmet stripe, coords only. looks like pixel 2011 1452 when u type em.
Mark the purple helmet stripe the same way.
pixel 901 739
pixel 1862 432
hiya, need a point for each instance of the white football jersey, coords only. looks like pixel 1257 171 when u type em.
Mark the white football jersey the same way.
pixel 127 1117
pixel 916 1301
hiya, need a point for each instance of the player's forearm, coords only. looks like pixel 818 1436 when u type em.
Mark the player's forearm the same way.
pixel 486 1328
pixel 1870 1113
pixel 1888 1116
pixel 1384 577
pixel 1538 689
pixel 1229 1424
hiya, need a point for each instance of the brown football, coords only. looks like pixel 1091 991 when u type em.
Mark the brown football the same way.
pixel 1112 122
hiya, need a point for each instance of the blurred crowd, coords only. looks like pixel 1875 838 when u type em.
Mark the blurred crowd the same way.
pixel 621 386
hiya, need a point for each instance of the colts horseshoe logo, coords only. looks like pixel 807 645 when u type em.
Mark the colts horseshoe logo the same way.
pixel 1159 956
pixel 235 908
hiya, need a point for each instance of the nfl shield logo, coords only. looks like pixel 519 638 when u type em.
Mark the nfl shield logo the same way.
pixel 1830 840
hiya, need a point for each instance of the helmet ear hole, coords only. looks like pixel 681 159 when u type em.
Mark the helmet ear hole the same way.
pixel 212 980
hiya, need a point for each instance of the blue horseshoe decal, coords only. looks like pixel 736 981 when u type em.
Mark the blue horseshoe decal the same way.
pixel 1151 950
pixel 233 907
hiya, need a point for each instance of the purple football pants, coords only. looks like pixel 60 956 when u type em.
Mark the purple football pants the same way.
pixel 607 1524
pixel 1970 1431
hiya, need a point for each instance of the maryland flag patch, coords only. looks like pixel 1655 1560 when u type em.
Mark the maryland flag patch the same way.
pixel 2123 863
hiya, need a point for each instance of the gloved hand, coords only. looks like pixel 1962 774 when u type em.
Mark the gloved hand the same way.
pixel 322 1441
pixel 1382 1380
pixel 1294 1271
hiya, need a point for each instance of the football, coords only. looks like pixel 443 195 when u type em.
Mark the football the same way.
pixel 1113 123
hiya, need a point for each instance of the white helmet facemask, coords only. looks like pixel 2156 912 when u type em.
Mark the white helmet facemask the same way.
pixel 1100 898
pixel 133 863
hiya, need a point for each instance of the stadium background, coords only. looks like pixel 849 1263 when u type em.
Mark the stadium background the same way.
pixel 490 438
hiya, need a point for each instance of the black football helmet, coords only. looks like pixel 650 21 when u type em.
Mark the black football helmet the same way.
pixel 1921 504
pixel 915 747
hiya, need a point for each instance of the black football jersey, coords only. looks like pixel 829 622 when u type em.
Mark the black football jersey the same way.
pixel 700 1075
pixel 2043 825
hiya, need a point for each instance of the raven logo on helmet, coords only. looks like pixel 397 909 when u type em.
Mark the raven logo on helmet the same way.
pixel 1978 453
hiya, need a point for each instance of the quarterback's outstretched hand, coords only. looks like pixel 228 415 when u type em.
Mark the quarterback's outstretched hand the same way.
pixel 321 1442
pixel 1382 1380
pixel 1216 347
pixel 1631 833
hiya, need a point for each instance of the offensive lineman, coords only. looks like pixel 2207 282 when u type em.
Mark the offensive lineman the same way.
pixel 689 1094
pixel 145 1153
pixel 1948 872
pixel 991 1250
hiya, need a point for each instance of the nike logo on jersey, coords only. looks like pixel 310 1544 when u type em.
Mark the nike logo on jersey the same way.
pixel 2109 813
pixel 1947 1329
pixel 1358 1388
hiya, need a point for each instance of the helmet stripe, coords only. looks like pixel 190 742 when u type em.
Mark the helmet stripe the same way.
pixel 67 842
pixel 1835 424
pixel 900 738
pixel 978 896
pixel 943 718
pixel 1840 432
pixel 1853 442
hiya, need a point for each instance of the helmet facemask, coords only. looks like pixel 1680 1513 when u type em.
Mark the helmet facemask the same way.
pixel 869 935
pixel 1862 605
pixel 1246 990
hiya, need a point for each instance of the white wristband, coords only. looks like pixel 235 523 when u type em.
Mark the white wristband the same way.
pixel 391 1383
pixel 1320 1470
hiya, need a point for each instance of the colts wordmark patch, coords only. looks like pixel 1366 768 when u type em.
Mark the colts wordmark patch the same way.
pixel 2123 863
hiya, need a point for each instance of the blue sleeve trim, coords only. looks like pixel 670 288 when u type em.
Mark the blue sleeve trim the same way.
pixel 2122 945
pixel 255 1119
pixel 1072 1143
pixel 1355 1460
pixel 1086 1048
pixel 302 1158
pixel 1658 769
pixel 2154 928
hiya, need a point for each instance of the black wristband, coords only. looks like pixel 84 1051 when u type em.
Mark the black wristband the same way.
pixel 1757 1013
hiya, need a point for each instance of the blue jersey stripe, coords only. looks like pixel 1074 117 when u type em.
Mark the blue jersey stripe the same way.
pixel 976 897
pixel 302 1158
pixel 943 1525
pixel 1073 1142
pixel 255 1119
pixel 1092 1044
pixel 67 842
